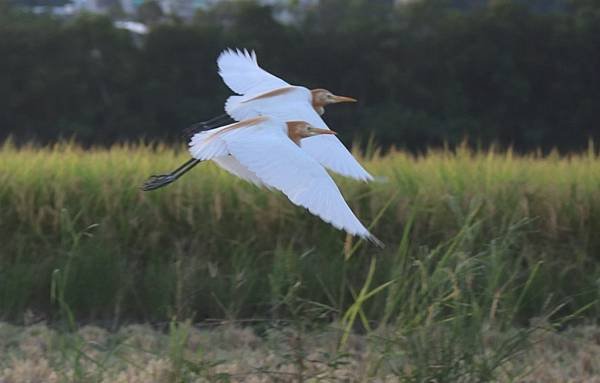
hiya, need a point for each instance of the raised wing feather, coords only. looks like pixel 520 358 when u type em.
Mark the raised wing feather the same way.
pixel 331 153
pixel 241 73
pixel 267 151
pixel 295 104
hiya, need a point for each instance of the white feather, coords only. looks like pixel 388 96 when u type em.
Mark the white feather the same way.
pixel 206 145
pixel 241 73
pixel 233 166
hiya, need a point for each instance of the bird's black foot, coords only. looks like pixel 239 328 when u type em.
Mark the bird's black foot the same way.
pixel 158 181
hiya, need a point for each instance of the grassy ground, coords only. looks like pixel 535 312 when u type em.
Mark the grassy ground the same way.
pixel 478 243
pixel 229 353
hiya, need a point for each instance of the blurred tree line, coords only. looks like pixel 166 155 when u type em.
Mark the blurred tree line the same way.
pixel 425 73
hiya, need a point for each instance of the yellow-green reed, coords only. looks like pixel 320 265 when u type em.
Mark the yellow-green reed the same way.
pixel 211 245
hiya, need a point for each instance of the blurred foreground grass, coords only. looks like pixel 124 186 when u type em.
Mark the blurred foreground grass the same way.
pixel 467 233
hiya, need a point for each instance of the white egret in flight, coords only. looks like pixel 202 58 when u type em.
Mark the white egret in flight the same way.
pixel 261 93
pixel 267 152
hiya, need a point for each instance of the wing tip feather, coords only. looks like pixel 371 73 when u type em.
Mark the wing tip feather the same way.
pixel 374 240
pixel 367 177
pixel 238 54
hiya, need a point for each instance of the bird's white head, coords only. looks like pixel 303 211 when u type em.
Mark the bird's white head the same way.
pixel 298 130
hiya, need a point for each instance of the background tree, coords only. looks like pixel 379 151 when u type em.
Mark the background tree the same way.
pixel 150 12
pixel 510 72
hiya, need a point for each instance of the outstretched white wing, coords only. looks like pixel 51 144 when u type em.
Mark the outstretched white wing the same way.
pixel 294 103
pixel 241 73
pixel 266 150
pixel 332 154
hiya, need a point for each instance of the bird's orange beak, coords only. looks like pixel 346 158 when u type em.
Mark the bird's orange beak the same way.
pixel 337 99
pixel 323 131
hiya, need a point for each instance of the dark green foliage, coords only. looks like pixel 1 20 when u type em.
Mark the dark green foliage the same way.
pixel 512 72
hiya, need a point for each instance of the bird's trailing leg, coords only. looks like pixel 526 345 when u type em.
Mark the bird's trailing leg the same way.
pixel 158 181
pixel 221 120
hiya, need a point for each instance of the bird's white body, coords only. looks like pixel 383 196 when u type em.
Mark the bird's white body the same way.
pixel 260 151
pixel 263 94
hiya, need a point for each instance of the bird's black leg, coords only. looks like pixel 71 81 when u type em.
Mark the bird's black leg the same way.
pixel 217 121
pixel 158 181
pixel 221 120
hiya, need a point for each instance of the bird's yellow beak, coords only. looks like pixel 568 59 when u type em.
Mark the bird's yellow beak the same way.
pixel 337 99
pixel 323 131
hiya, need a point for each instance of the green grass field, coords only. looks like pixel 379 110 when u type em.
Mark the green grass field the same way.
pixel 475 242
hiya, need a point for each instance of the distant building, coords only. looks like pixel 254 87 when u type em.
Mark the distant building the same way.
pixel 184 9
pixel 132 26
